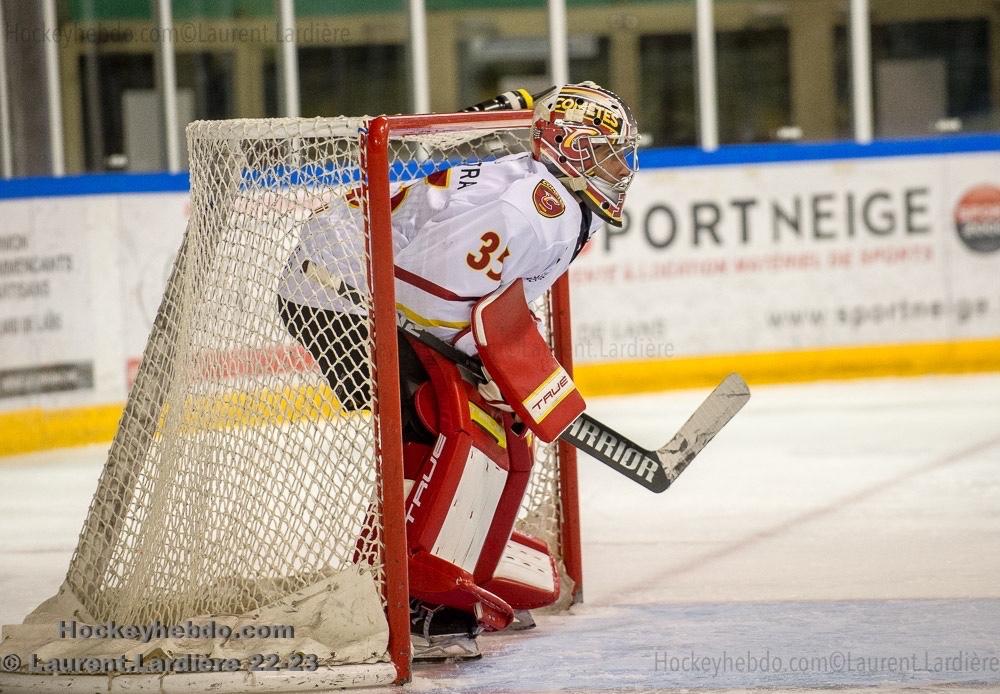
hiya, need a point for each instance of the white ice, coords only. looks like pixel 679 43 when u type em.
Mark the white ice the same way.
pixel 847 522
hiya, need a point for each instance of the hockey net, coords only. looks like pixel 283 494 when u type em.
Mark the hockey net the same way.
pixel 239 482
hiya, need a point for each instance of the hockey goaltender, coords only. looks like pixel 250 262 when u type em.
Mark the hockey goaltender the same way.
pixel 474 246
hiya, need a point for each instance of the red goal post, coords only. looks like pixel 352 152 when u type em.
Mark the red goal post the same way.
pixel 375 145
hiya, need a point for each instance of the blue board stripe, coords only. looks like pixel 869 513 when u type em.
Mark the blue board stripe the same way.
pixel 93 184
pixel 728 155
pixel 673 157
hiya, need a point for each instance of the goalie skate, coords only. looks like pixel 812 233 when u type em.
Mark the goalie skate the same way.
pixel 522 621
pixel 442 633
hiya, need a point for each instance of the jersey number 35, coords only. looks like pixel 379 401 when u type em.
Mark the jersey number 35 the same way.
pixel 483 258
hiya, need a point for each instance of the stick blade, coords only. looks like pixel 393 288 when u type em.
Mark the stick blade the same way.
pixel 719 407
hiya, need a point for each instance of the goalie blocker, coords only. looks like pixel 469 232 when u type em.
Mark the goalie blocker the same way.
pixel 517 357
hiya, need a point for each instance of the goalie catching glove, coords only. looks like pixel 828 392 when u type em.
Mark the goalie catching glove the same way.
pixel 535 386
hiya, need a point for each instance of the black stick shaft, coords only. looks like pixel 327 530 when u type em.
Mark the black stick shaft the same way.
pixel 594 438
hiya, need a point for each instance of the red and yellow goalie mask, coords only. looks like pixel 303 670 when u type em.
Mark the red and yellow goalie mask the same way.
pixel 587 136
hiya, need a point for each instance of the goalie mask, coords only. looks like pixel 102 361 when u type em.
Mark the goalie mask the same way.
pixel 586 136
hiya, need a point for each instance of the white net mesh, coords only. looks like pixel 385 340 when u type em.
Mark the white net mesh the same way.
pixel 244 468
pixel 236 474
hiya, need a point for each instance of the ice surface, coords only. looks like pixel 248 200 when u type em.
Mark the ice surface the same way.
pixel 854 518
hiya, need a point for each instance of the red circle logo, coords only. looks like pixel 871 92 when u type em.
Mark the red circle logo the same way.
pixel 977 219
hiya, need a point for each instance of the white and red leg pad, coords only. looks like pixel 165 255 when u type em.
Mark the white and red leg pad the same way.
pixel 520 459
pixel 462 500
pixel 526 577
pixel 518 359
pixel 456 492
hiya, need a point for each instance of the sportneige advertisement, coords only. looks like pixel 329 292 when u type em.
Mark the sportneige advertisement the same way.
pixel 807 255
pixel 761 258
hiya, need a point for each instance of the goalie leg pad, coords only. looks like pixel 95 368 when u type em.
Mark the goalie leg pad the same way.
pixel 520 459
pixel 463 504
pixel 450 511
pixel 526 577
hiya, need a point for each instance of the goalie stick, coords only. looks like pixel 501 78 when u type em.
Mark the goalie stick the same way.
pixel 656 469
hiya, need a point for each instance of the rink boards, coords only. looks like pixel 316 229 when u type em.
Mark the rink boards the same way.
pixel 784 262
pixel 832 266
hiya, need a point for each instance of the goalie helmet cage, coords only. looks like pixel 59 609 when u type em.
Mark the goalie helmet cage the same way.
pixel 241 490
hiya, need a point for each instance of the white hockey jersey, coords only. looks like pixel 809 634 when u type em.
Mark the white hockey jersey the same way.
pixel 459 235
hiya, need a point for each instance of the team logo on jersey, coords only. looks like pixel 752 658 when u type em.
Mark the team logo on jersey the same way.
pixel 547 200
